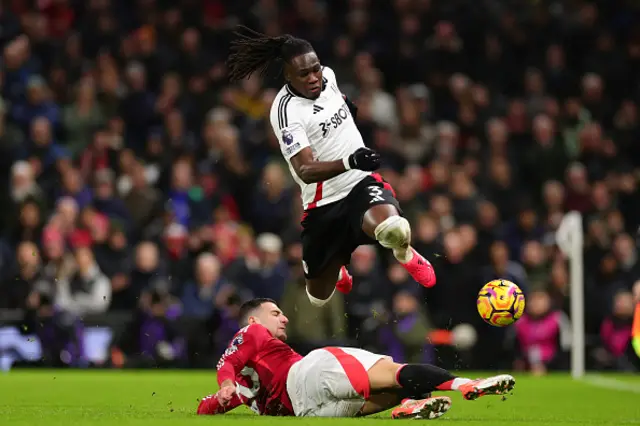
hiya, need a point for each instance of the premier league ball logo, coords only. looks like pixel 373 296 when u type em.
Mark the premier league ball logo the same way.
pixel 287 137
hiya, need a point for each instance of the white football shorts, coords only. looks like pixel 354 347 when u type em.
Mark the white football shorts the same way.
pixel 331 382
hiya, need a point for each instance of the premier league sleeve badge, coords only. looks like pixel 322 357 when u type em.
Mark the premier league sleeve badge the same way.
pixel 287 137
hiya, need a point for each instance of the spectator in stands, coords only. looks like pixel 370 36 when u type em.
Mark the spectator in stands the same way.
pixel 536 265
pixel 114 257
pixel 503 268
pixel 209 290
pixel 60 334
pixel 266 274
pixel 74 186
pixel 142 200
pixel 525 227
pixel 100 154
pixel 30 222
pixel 271 206
pixel 578 188
pixel 543 336
pixel 626 253
pixel 151 339
pixel 43 153
pixel 20 65
pixel 81 118
pixel 370 291
pixel 23 186
pixel 138 106
pixel 188 203
pixel 18 292
pixel 615 334
pixel 59 264
pixel 38 104
pixel 127 291
pixel 405 335
pixel 88 291
pixel 106 199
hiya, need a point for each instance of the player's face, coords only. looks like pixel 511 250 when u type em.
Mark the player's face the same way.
pixel 271 317
pixel 304 73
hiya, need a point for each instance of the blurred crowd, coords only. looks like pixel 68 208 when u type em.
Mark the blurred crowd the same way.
pixel 136 179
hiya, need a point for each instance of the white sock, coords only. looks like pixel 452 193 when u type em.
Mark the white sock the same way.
pixel 455 385
pixel 403 255
pixel 319 303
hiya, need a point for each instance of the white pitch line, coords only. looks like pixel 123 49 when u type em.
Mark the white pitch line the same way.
pixel 614 384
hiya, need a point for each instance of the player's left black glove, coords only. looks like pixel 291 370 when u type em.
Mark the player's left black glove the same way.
pixel 363 159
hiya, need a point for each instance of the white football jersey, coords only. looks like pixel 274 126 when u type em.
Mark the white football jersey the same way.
pixel 327 127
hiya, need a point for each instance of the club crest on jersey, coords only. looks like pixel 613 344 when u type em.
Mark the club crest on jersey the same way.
pixel 287 137
pixel 237 341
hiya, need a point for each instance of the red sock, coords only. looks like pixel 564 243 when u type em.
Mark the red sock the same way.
pixel 454 384
pixel 446 386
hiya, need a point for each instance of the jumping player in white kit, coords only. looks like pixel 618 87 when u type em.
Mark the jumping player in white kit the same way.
pixel 345 204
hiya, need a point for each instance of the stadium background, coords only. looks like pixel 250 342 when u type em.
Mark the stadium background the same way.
pixel 144 197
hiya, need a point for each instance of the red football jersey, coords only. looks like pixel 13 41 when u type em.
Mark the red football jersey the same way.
pixel 263 363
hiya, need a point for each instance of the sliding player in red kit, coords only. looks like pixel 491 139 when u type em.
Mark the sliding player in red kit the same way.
pixel 260 370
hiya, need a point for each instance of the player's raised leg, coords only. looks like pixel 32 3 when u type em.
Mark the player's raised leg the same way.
pixel 383 223
pixel 417 380
pixel 333 276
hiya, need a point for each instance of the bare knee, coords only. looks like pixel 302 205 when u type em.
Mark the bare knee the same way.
pixel 382 376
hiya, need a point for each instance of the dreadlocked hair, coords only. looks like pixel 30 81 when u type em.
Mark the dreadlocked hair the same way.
pixel 254 52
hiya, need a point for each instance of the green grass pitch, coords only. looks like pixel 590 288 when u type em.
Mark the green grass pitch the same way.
pixel 159 398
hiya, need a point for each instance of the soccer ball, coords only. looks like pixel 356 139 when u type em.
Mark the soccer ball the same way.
pixel 500 303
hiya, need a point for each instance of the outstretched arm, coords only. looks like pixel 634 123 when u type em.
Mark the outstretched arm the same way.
pixel 289 127
pixel 296 148
pixel 210 405
pixel 242 348
pixel 311 171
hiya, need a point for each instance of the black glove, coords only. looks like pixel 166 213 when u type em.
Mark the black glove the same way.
pixel 364 159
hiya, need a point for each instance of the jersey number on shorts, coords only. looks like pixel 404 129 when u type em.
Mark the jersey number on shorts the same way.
pixel 376 194
pixel 245 392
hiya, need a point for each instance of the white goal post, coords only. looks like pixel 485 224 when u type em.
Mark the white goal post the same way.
pixel 569 238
